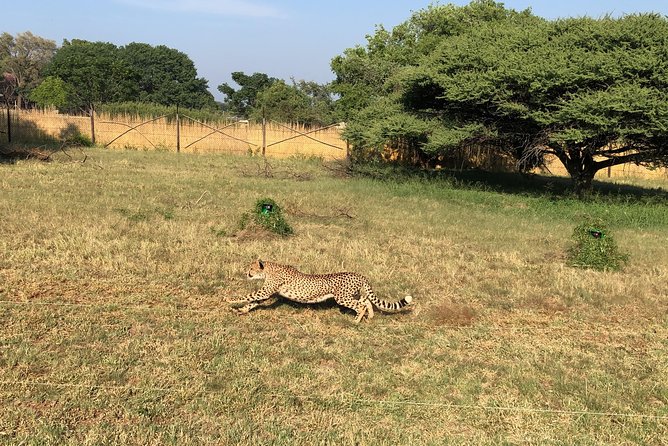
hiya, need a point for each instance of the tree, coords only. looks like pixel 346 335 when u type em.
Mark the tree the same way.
pixel 100 72
pixel 95 72
pixel 306 102
pixel 7 88
pixel 593 93
pixel 321 101
pixel 166 76
pixel 53 92
pixel 24 58
pixel 241 101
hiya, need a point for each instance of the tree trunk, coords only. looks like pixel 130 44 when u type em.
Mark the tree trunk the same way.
pixel 582 182
pixel 582 168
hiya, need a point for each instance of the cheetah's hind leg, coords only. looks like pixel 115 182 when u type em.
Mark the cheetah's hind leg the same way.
pixel 368 308
pixel 361 307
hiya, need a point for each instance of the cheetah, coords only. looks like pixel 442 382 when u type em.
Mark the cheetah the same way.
pixel 350 290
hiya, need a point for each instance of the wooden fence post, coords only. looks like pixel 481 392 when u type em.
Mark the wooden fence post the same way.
pixel 9 126
pixel 264 133
pixel 92 123
pixel 178 130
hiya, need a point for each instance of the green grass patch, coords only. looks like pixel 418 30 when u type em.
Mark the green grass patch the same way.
pixel 594 247
pixel 268 215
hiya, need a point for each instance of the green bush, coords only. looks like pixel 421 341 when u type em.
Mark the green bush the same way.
pixel 595 248
pixel 269 215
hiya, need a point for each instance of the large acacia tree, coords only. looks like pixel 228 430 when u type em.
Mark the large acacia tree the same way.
pixel 592 92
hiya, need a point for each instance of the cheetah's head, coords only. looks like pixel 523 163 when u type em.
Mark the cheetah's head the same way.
pixel 256 270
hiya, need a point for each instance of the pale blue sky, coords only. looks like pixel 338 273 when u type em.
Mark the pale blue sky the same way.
pixel 282 38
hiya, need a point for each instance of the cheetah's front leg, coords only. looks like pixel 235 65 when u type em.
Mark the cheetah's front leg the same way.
pixel 251 300
pixel 248 307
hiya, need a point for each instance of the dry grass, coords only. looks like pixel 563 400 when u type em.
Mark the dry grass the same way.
pixel 112 273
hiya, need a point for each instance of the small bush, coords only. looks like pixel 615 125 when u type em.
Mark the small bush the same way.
pixel 79 140
pixel 269 215
pixel 595 248
pixel 72 136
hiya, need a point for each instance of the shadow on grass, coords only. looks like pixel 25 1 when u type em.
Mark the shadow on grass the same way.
pixel 539 184
pixel 323 307
pixel 31 142
pixel 506 182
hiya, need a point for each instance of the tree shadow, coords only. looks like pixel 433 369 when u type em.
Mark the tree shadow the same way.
pixel 534 184
pixel 29 141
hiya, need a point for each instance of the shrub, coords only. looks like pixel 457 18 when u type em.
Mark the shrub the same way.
pixel 269 215
pixel 72 136
pixel 595 248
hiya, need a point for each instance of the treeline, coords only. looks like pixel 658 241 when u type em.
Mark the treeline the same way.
pixel 80 76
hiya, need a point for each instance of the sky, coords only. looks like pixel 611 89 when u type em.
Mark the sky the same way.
pixel 282 38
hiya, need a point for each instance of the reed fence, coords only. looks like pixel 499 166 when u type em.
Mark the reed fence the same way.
pixel 179 132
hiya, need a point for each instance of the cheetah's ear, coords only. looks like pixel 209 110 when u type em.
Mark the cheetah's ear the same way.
pixel 261 263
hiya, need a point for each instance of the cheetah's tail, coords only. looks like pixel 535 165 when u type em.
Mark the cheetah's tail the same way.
pixel 390 307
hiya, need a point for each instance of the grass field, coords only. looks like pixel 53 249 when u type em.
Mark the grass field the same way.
pixel 113 329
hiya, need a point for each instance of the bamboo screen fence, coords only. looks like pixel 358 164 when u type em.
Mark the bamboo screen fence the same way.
pixel 191 136
pixel 179 133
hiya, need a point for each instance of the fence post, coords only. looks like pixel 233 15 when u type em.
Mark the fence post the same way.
pixel 264 133
pixel 9 126
pixel 92 123
pixel 178 130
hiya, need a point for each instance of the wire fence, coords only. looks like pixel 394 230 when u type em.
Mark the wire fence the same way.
pixel 176 131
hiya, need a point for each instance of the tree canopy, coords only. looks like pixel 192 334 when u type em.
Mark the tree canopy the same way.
pixel 94 73
pixel 166 76
pixel 592 92
pixel 22 60
pixel 259 95
pixel 241 101
pixel 308 103
pixel 100 72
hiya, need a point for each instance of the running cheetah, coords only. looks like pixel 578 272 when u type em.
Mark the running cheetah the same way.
pixel 350 290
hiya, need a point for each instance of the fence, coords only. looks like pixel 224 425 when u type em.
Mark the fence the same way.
pixel 176 131
pixel 180 132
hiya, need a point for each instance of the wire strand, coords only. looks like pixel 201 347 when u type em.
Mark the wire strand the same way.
pixel 350 399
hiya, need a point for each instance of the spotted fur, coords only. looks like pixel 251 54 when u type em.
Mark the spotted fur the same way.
pixel 350 290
